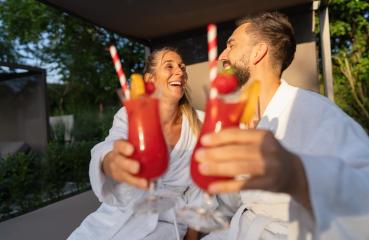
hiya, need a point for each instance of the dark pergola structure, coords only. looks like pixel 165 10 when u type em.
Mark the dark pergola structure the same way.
pixel 23 121
pixel 182 24
pixel 146 20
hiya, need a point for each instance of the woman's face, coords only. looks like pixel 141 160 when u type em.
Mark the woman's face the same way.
pixel 170 76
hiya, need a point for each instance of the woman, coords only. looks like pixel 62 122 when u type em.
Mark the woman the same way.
pixel 112 171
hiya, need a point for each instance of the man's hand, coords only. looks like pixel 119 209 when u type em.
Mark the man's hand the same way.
pixel 118 166
pixel 255 153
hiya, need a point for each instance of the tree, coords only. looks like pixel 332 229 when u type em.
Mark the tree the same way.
pixel 7 54
pixel 76 50
pixel 349 24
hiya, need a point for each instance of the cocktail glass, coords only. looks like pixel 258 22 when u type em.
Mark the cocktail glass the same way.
pixel 150 150
pixel 220 113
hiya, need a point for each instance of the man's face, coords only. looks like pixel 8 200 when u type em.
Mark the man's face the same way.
pixel 237 54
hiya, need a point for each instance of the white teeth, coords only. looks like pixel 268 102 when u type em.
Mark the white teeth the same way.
pixel 227 67
pixel 176 83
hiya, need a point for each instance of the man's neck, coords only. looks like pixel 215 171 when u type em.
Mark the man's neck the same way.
pixel 269 86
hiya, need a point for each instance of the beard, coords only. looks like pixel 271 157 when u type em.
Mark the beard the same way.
pixel 241 70
pixel 242 73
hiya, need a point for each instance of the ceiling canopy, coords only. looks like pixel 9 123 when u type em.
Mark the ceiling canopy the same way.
pixel 147 19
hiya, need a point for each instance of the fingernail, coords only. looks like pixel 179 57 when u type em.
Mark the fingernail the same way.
pixel 205 139
pixel 200 155
pixel 135 167
pixel 129 149
pixel 212 188
pixel 203 168
pixel 143 183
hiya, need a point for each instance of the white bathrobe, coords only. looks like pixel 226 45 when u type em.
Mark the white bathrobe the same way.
pixel 334 150
pixel 114 219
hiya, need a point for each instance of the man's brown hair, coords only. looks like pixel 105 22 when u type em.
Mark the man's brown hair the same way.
pixel 275 29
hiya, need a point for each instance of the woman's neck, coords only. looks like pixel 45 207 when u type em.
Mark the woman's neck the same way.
pixel 169 113
pixel 170 117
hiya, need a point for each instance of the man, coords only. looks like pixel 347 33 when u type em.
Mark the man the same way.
pixel 307 161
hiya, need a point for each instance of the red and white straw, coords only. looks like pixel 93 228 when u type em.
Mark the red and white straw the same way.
pixel 212 55
pixel 119 70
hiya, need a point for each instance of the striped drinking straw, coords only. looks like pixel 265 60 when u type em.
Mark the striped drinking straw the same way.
pixel 212 55
pixel 119 70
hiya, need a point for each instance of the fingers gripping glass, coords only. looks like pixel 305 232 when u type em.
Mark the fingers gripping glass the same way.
pixel 219 114
pixel 145 133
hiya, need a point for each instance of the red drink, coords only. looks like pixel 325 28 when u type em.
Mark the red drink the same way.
pixel 145 133
pixel 218 115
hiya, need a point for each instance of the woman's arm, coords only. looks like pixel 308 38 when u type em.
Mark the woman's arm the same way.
pixel 111 171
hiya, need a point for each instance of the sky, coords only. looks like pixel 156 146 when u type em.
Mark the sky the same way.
pixel 31 60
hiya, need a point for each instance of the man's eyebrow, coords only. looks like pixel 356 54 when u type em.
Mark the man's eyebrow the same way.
pixel 230 41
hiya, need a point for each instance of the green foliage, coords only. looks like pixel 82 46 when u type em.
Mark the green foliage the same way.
pixel 29 181
pixel 57 134
pixel 20 184
pixel 78 157
pixel 56 170
pixel 92 125
pixel 349 25
pixel 6 50
pixel 77 50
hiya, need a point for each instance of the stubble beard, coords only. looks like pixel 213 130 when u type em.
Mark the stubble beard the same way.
pixel 243 75
pixel 242 71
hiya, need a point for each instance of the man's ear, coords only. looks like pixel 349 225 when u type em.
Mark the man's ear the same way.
pixel 259 52
pixel 148 77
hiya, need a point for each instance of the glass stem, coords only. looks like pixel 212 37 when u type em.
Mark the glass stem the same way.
pixel 151 187
pixel 208 201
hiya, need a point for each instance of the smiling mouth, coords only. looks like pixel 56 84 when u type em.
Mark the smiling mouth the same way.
pixel 226 65
pixel 176 84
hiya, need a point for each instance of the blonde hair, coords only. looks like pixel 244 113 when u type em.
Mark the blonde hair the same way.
pixel 185 106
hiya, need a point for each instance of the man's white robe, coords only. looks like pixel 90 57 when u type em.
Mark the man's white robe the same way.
pixel 335 153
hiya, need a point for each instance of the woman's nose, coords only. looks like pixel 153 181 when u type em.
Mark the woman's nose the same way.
pixel 179 71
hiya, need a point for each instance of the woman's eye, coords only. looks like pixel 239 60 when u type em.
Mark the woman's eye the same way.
pixel 169 66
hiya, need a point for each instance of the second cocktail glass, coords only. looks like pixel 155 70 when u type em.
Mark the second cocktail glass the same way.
pixel 219 114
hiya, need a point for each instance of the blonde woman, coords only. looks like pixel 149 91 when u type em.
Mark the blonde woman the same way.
pixel 112 171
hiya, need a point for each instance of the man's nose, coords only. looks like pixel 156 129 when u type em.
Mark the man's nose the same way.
pixel 223 56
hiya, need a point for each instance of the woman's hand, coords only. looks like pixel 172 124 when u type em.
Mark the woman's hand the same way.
pixel 118 166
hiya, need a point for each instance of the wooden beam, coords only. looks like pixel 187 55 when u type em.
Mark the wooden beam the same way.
pixel 326 52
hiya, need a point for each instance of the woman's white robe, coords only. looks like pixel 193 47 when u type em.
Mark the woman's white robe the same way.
pixel 114 219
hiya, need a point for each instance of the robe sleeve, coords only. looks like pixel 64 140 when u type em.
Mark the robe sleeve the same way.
pixel 106 189
pixel 338 178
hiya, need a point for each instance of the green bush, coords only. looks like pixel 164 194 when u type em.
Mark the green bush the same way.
pixel 91 125
pixel 20 183
pixel 28 180
pixel 78 157
pixel 56 171
pixel 57 134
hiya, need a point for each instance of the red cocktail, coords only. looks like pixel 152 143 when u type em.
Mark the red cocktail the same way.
pixel 218 115
pixel 145 133
pixel 150 150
